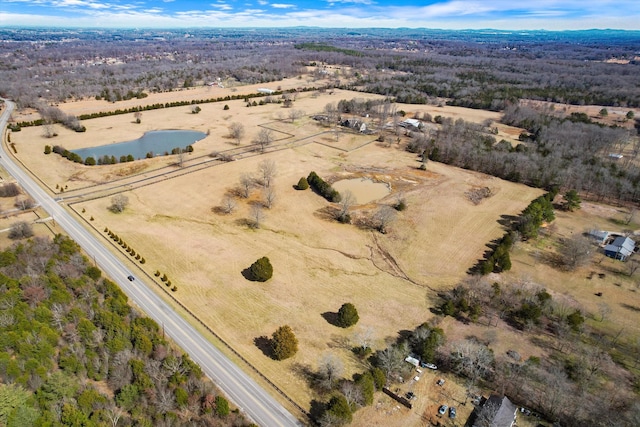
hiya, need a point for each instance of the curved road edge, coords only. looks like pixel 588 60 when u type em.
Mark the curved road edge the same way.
pixel 241 389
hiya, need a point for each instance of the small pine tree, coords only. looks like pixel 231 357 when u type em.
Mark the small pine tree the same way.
pixel 222 406
pixel 284 343
pixel 347 315
pixel 302 184
pixel 261 270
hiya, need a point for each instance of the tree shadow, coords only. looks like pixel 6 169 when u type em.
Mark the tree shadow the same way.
pixel 338 341
pixel 630 307
pixel 316 410
pixel 264 344
pixel 330 317
pixel 246 273
pixel 508 221
pixel 328 213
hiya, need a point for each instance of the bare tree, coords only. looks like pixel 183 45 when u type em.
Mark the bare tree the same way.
pixel 330 369
pixel 363 337
pixel 118 203
pixel 236 130
pixel 295 115
pixel 576 251
pixel 471 358
pixel 347 200
pixel 257 215
pixel 182 155
pixel 264 138
pixel 228 204
pixel 384 216
pixel 269 197
pixel 24 203
pixel 246 184
pixel 632 266
pixel 113 414
pixel 138 116
pixel 48 130
pixel 332 112
pixel 267 169
pixel 20 230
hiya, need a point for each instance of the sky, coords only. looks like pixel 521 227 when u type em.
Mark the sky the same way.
pixel 444 14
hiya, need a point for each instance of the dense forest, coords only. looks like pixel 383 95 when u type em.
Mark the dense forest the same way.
pixel 73 352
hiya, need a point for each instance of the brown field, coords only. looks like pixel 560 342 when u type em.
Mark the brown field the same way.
pixel 318 263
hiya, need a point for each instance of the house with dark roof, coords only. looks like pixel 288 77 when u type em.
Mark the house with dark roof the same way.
pixel 497 411
pixel 621 248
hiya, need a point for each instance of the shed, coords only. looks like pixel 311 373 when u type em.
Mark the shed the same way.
pixel 415 362
pixel 599 236
pixel 621 248
pixel 266 91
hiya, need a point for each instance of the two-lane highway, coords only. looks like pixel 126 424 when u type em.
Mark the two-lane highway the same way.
pixel 243 391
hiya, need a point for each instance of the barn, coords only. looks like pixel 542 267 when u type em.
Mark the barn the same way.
pixel 621 248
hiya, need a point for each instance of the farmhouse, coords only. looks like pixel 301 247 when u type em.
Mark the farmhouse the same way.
pixel 500 412
pixel 621 248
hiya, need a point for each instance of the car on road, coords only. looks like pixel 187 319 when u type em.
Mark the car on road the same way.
pixel 443 409
pixel 131 278
pixel 429 365
pixel 452 412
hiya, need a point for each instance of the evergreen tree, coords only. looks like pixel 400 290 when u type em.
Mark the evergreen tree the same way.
pixel 347 315
pixel 261 270
pixel 284 343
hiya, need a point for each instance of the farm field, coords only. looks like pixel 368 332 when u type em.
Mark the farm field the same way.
pixel 319 263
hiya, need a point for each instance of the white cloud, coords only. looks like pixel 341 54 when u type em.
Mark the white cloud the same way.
pixel 283 6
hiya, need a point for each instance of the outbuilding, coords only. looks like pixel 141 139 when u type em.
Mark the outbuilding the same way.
pixel 621 248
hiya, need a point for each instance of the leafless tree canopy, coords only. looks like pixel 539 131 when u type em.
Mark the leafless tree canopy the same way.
pixel 346 202
pixel 24 203
pixel 264 139
pixel 236 131
pixel 228 204
pixel 20 230
pixel 267 169
pixel 119 203
pixel 246 184
pixel 257 215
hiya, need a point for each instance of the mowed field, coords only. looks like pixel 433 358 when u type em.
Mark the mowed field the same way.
pixel 319 264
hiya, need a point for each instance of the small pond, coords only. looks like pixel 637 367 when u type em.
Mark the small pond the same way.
pixel 157 142
pixel 365 190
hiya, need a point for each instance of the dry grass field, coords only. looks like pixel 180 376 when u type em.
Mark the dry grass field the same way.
pixel 319 263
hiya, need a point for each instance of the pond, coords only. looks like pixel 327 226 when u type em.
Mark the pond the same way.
pixel 156 142
pixel 365 190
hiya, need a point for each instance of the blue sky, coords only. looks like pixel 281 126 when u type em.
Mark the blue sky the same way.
pixel 449 14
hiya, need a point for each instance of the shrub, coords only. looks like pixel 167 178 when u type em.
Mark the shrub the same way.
pixel 284 343
pixel 226 107
pixel 302 184
pixel 347 315
pixel 222 406
pixel 261 270
pixel 47 149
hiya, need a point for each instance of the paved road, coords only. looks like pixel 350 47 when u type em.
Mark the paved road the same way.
pixel 254 401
